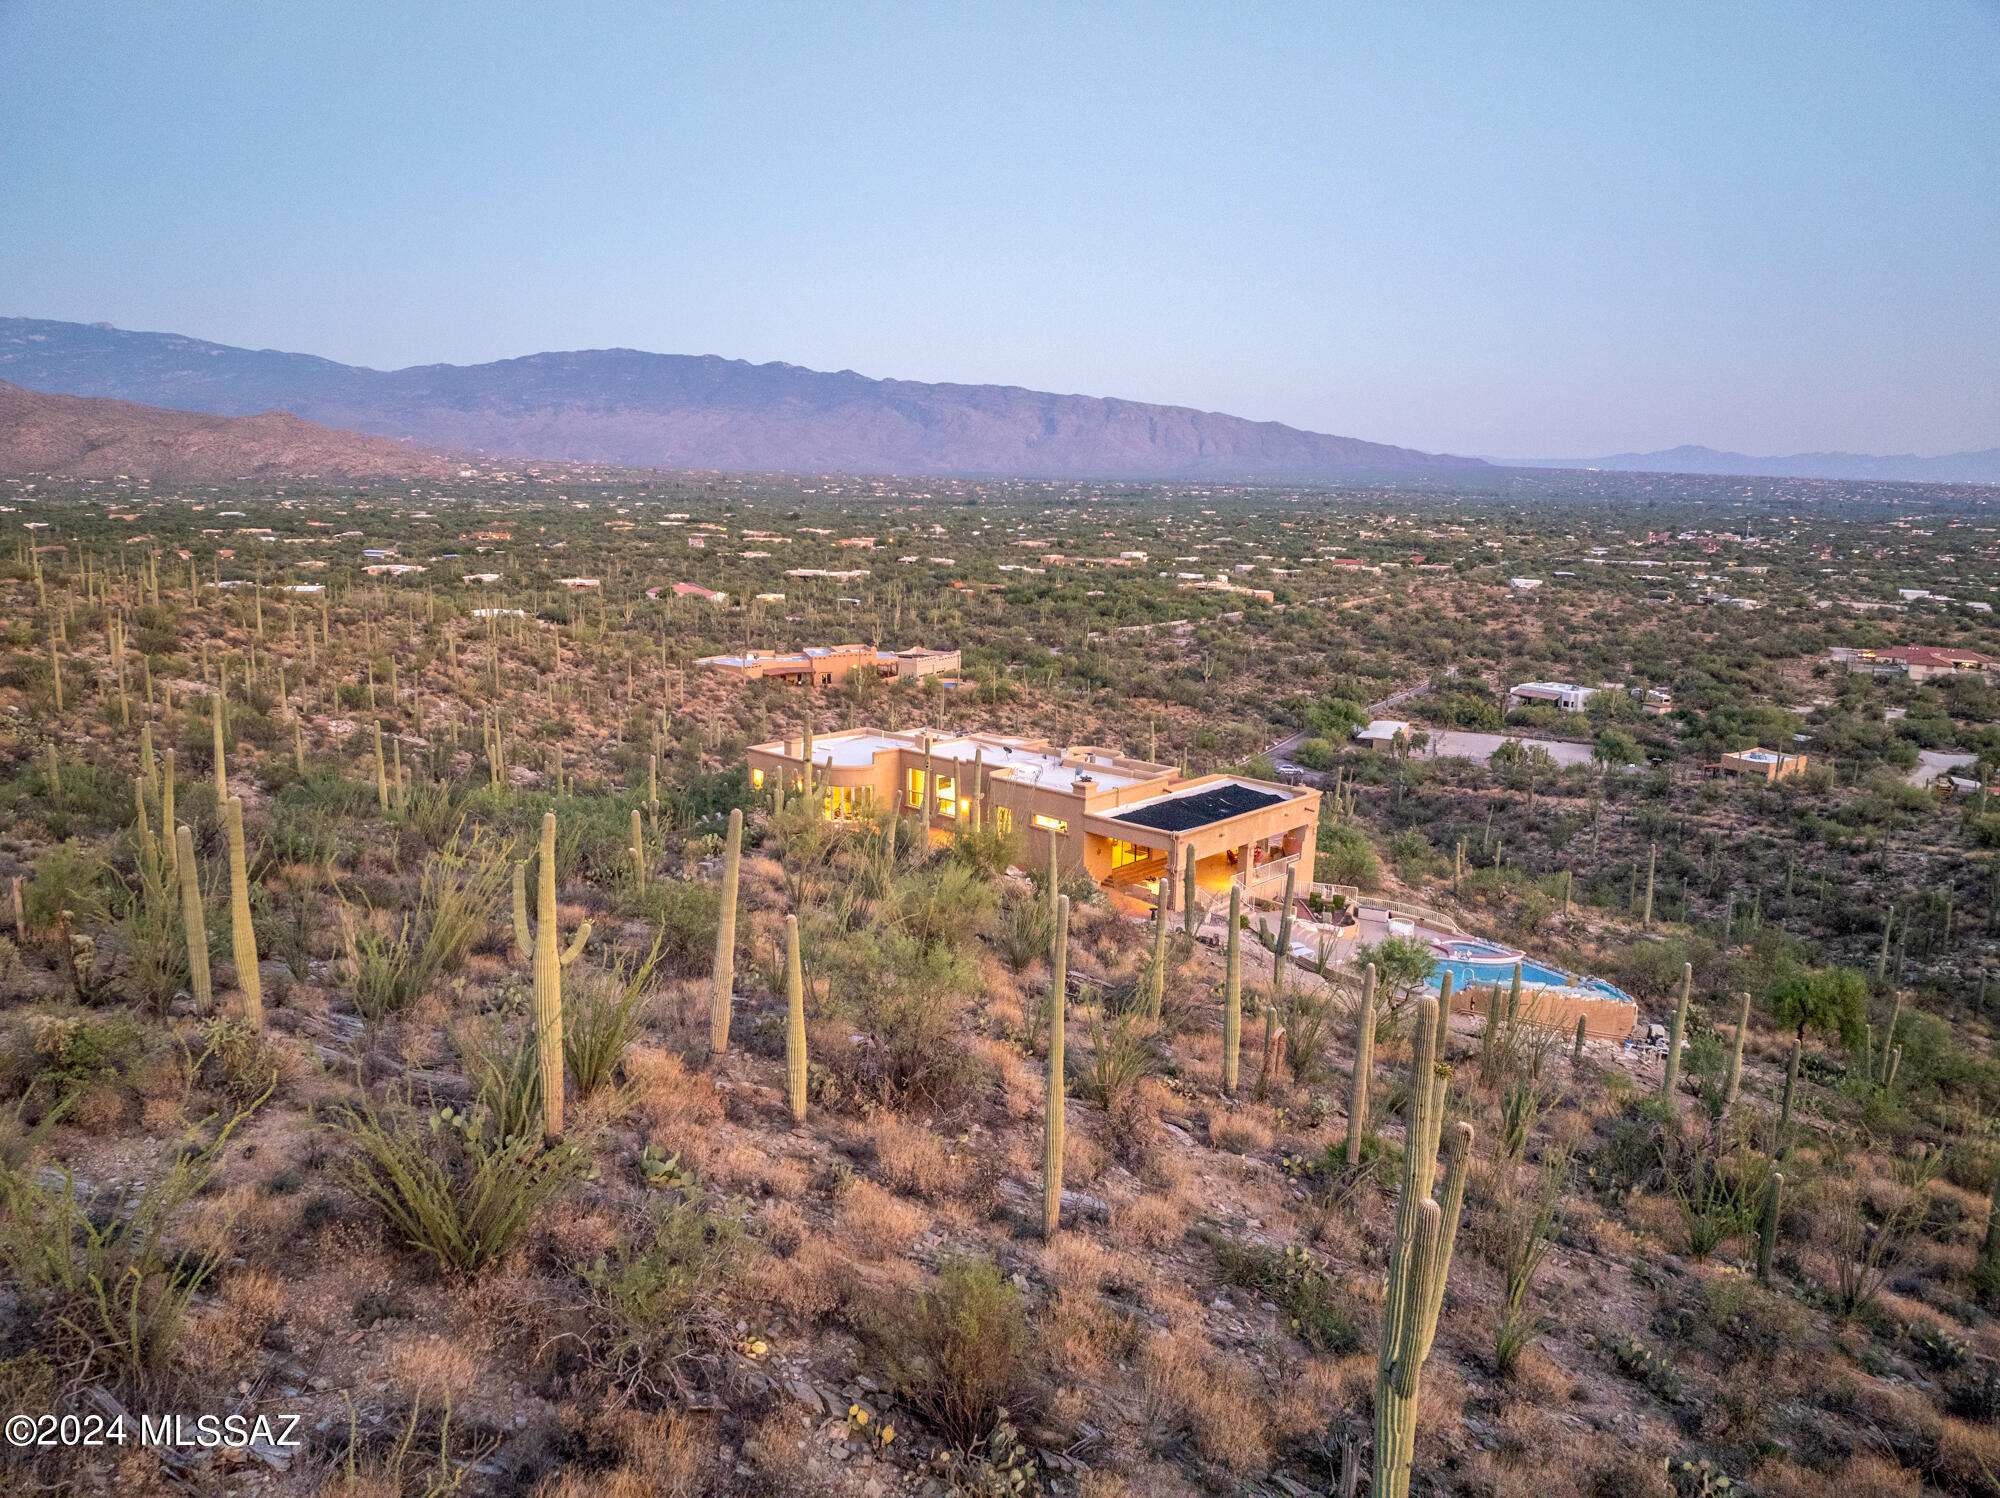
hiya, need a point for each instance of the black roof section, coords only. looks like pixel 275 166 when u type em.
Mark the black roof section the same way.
pixel 1185 813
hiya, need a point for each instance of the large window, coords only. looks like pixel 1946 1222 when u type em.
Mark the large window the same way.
pixel 1052 824
pixel 947 796
pixel 1124 853
pixel 1003 820
pixel 843 801
pixel 756 780
pixel 915 794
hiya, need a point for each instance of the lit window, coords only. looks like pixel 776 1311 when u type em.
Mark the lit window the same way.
pixel 916 792
pixel 1051 824
pixel 757 780
pixel 1003 820
pixel 947 796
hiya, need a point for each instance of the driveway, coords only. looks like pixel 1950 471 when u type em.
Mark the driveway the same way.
pixel 1452 744
pixel 1932 763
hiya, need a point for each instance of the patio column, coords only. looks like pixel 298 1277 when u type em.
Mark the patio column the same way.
pixel 1244 865
pixel 1170 880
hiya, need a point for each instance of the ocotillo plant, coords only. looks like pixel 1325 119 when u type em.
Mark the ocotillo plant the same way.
pixel 195 922
pixel 541 943
pixel 1052 1120
pixel 1767 1226
pixel 242 936
pixel 795 1021
pixel 1735 1081
pixel 1232 993
pixel 1419 1259
pixel 638 852
pixel 725 939
pixel 1364 1068
pixel 1670 1078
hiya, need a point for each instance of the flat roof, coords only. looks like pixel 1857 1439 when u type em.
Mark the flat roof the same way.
pixel 1025 762
pixel 1382 728
pixel 1203 806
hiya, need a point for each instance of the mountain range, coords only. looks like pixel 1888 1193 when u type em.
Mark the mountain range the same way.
pixel 625 407
pixel 1952 468
pixel 85 438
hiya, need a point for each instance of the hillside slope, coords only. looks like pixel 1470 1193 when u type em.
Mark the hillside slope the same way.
pixel 78 437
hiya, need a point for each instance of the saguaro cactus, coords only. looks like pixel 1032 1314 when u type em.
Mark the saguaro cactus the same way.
pixel 195 922
pixel 540 943
pixel 381 772
pixel 1284 947
pixel 1735 1081
pixel 1767 1226
pixel 243 937
pixel 1364 1068
pixel 1889 1037
pixel 1419 1259
pixel 1188 894
pixel 1791 1086
pixel 1582 1033
pixel 1652 858
pixel 795 1021
pixel 1670 1078
pixel 1156 969
pixel 221 769
pixel 167 809
pixel 638 852
pixel 725 939
pixel 1232 993
pixel 1052 1124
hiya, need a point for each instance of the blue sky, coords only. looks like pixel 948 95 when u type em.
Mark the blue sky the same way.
pixel 1529 230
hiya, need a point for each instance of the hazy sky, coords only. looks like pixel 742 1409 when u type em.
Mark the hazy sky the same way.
pixel 1528 230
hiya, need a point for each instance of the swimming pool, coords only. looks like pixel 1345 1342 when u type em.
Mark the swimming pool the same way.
pixel 1533 975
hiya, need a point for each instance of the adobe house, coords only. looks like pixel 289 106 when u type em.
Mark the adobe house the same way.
pixel 1768 764
pixel 828 665
pixel 1130 824
pixel 1568 697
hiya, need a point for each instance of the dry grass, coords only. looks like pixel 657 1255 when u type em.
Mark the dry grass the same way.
pixel 671 1099
pixel 875 1223
pixel 660 1456
pixel 435 1368
pixel 1239 1131
pixel 912 1158
pixel 1149 1221
pixel 1215 1398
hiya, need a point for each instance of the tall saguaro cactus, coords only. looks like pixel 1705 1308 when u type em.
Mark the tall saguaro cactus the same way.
pixel 1284 947
pixel 795 1021
pixel 195 922
pixel 1188 890
pixel 1735 1082
pixel 1670 1078
pixel 1156 969
pixel 1419 1259
pixel 725 939
pixel 638 852
pixel 541 943
pixel 1364 1068
pixel 1232 993
pixel 243 937
pixel 1052 1122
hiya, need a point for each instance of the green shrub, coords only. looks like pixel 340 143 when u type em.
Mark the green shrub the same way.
pixel 451 1185
pixel 1346 857
pixel 602 1016
pixel 957 1353
pixel 1311 1301
pixel 661 1307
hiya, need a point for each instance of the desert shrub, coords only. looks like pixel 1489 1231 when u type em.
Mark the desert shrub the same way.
pixel 455 902
pixel 1025 931
pixel 55 1057
pixel 602 1016
pixel 902 996
pixel 103 1280
pixel 504 1067
pixel 65 879
pixel 958 1353
pixel 452 1186
pixel 685 913
pixel 660 1307
pixel 1314 1307
pixel 1345 856
pixel 242 1061
pixel 1122 1054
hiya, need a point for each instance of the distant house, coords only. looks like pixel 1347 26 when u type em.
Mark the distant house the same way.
pixel 690 590
pixel 1921 662
pixel 578 582
pixel 480 577
pixel 1657 702
pixel 1524 584
pixel 1382 733
pixel 1571 699
pixel 1768 764
pixel 828 665
pixel 392 569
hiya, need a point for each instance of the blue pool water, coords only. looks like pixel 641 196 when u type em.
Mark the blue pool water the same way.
pixel 1533 975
